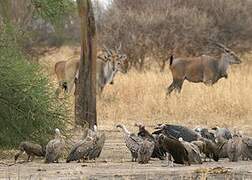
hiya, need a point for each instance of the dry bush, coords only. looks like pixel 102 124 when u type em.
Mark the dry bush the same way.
pixel 157 28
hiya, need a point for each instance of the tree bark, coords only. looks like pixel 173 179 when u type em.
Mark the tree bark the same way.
pixel 85 94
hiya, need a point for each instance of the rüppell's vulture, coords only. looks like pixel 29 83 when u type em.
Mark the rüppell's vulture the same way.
pixel 234 148
pixel 132 141
pixel 199 144
pixel 31 149
pixel 221 148
pixel 210 149
pixel 55 148
pixel 145 151
pixel 222 133
pixel 193 152
pixel 81 150
pixel 174 147
pixel 98 144
pixel 158 152
pixel 247 148
pixel 88 148
pixel 177 131
pixel 205 133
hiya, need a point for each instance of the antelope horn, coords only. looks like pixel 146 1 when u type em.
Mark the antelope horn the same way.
pixel 119 47
pixel 221 46
pixel 107 50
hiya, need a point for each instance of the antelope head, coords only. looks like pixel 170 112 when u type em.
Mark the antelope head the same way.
pixel 229 55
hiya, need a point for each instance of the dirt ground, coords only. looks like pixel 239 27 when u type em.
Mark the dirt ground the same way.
pixel 115 163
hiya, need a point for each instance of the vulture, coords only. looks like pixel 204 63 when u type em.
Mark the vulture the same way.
pixel 177 131
pixel 222 133
pixel 193 152
pixel 88 148
pixel 205 133
pixel 132 141
pixel 81 150
pixel 221 148
pixel 145 151
pixel 210 149
pixel 55 148
pixel 174 147
pixel 247 148
pixel 158 152
pixel 200 145
pixel 98 144
pixel 31 149
pixel 234 148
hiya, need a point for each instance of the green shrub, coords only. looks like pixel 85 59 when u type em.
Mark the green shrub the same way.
pixel 29 108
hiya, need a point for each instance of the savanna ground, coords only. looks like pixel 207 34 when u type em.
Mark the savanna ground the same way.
pixel 140 97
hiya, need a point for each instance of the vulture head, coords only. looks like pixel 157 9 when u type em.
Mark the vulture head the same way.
pixel 161 138
pixel 160 126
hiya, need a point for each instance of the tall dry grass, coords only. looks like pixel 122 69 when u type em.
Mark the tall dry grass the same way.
pixel 140 97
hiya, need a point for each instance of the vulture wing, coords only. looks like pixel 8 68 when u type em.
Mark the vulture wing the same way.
pixel 133 142
pixel 80 150
pixel 96 151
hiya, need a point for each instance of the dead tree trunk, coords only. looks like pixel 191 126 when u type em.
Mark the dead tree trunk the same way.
pixel 85 94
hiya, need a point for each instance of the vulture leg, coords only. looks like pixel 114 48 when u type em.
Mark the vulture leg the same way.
pixel 170 160
pixel 28 159
pixel 31 157
pixel 133 159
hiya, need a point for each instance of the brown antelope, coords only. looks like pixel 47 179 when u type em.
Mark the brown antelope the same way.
pixel 206 69
pixel 109 62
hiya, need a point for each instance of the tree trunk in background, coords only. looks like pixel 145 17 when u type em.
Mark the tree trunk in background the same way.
pixel 85 94
pixel 5 11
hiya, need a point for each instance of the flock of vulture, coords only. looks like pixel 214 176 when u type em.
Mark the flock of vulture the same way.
pixel 187 146
pixel 88 148
pixel 179 144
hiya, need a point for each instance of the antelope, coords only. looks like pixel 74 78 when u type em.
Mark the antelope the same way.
pixel 206 69
pixel 109 62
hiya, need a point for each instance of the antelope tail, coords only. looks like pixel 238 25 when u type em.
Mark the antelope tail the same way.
pixel 171 60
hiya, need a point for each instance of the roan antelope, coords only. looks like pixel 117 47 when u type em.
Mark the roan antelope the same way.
pixel 206 69
pixel 109 62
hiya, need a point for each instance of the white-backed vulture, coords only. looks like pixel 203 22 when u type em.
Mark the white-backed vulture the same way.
pixel 88 148
pixel 31 149
pixel 158 152
pixel 193 152
pixel 132 141
pixel 174 147
pixel 145 151
pixel 55 148
pixel 178 131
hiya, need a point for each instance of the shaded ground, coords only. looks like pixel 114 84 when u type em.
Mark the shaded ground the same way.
pixel 115 164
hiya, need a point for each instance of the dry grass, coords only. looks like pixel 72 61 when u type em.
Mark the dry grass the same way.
pixel 141 97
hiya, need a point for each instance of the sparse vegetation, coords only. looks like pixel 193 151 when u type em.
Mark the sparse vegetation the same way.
pixel 35 34
pixel 140 97
pixel 161 27
pixel 29 108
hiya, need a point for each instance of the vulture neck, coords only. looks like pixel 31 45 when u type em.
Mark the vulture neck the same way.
pixel 125 131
